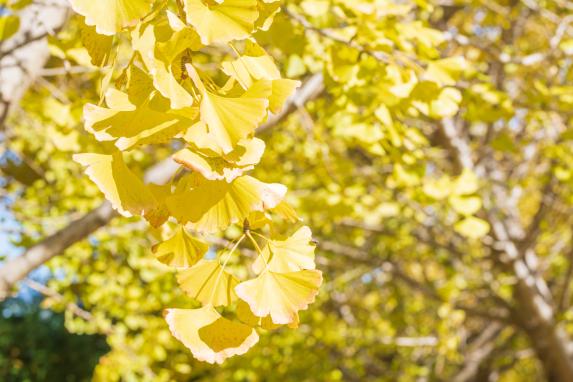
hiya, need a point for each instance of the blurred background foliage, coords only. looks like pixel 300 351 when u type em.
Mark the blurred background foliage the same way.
pixel 36 346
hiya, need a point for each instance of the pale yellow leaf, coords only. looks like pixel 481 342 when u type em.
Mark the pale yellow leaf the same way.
pixel 208 283
pixel 210 337
pixel 280 295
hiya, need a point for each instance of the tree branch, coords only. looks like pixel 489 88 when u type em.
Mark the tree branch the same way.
pixel 24 55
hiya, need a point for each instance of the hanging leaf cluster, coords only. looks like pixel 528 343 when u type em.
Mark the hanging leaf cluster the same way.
pixel 168 94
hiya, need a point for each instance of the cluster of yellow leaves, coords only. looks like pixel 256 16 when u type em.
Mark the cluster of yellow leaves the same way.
pixel 286 283
pixel 460 194
pixel 163 96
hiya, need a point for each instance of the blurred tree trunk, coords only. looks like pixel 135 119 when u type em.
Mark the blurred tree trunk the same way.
pixel 23 56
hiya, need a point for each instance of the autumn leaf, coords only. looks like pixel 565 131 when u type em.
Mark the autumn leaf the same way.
pixel 210 337
pixel 126 192
pixel 223 22
pixel 210 206
pixel 111 16
pixel 208 283
pixel 290 255
pixel 181 250
pixel 280 295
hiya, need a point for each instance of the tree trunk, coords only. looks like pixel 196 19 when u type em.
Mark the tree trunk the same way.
pixel 24 55
pixel 548 337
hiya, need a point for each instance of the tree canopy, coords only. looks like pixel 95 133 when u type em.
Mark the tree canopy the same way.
pixel 295 190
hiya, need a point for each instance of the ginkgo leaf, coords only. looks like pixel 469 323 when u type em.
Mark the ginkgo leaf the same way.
pixel 210 206
pixel 130 125
pixel 111 16
pixel 290 255
pixel 125 191
pixel 199 137
pixel 158 58
pixel 226 167
pixel 247 70
pixel 244 314
pixel 182 38
pixel 220 23
pixel 97 45
pixel 286 211
pixel 210 337
pixel 267 11
pixel 280 295
pixel 208 283
pixel 231 119
pixel 181 250
pixel 281 90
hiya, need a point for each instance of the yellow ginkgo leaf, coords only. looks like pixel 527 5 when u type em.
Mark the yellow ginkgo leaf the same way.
pixel 159 56
pixel 247 70
pixel 111 16
pixel 244 314
pixel 290 255
pixel 226 167
pixel 199 137
pixel 97 45
pixel 210 337
pixel 130 125
pixel 211 206
pixel 220 23
pixel 286 211
pixel 280 295
pixel 182 38
pixel 267 11
pixel 181 250
pixel 208 283
pixel 231 119
pixel 126 192
pixel 282 89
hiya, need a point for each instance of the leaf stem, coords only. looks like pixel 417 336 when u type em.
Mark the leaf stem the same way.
pixel 223 267
pixel 256 245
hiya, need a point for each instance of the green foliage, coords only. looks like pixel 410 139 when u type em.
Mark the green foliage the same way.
pixel 35 345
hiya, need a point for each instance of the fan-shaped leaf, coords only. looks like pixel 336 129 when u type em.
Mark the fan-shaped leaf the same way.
pixel 210 206
pixel 110 16
pixel 223 22
pixel 126 192
pixel 226 167
pixel 281 295
pixel 181 250
pixel 210 337
pixel 290 255
pixel 208 283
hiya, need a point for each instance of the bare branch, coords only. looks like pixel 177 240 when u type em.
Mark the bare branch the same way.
pixel 480 349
